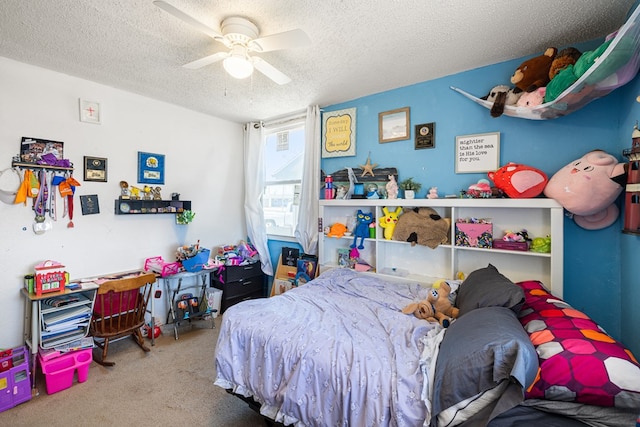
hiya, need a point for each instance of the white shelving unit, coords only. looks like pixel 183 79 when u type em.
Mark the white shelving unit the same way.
pixel 540 217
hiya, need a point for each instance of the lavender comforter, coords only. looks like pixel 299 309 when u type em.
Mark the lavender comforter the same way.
pixel 335 352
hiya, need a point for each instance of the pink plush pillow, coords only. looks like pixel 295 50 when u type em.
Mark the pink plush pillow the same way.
pixel 579 362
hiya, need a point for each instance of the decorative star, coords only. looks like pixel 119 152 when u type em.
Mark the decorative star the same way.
pixel 368 167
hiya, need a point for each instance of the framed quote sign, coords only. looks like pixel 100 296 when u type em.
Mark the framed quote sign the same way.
pixel 478 153
pixel 339 133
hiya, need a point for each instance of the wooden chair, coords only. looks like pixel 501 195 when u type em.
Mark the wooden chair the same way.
pixel 119 311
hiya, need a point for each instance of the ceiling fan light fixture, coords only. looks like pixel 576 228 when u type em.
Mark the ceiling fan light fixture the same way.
pixel 238 66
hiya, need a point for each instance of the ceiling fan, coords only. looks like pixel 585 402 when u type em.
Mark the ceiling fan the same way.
pixel 240 36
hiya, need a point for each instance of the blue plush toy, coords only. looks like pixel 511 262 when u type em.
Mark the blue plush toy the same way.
pixel 362 228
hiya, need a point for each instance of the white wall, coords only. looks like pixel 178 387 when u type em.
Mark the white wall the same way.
pixel 203 163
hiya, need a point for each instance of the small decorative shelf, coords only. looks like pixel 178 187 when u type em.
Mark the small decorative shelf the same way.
pixel 35 166
pixel 138 207
pixel 617 66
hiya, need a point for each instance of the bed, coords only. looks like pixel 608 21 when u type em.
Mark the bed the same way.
pixel 339 352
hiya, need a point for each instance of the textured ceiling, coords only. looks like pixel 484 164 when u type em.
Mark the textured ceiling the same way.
pixel 359 47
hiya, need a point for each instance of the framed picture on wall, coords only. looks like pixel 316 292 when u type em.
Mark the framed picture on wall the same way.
pixel 95 169
pixel 339 133
pixel 393 125
pixel 425 136
pixel 478 153
pixel 150 168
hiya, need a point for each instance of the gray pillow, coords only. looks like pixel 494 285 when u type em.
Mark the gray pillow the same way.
pixel 486 348
pixel 486 287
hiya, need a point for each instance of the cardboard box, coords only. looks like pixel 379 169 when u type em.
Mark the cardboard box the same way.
pixel 475 235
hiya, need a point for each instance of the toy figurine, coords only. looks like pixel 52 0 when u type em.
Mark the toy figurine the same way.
pixel 392 187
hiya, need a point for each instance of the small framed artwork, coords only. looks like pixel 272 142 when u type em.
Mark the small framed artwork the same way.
pixel 90 204
pixel 425 136
pixel 478 153
pixel 95 169
pixel 393 125
pixel 90 112
pixel 150 168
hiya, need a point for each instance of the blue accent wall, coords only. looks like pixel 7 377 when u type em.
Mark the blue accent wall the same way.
pixel 598 277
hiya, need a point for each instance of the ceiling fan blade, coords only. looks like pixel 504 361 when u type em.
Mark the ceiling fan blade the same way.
pixel 188 19
pixel 285 40
pixel 269 70
pixel 207 60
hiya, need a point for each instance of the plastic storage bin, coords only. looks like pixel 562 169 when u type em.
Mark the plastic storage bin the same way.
pixel 196 262
pixel 15 383
pixel 59 372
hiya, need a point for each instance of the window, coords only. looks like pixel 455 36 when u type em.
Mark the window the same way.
pixel 283 162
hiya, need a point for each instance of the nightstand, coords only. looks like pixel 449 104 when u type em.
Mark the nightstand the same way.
pixel 238 283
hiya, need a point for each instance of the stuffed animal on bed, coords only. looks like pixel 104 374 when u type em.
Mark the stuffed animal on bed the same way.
pixel 436 308
pixel 423 226
pixel 588 188
pixel 439 297
pixel 362 228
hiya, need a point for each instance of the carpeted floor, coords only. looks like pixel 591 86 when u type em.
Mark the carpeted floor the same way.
pixel 172 385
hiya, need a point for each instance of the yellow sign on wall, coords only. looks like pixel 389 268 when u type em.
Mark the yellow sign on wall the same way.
pixel 339 133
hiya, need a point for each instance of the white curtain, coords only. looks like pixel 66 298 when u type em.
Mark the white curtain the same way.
pixel 253 188
pixel 307 229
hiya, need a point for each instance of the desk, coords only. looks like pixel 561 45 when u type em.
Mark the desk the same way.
pixel 172 293
pixel 33 310
pixel 32 313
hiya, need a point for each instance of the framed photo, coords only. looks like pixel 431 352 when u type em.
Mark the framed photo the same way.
pixel 90 204
pixel 393 125
pixel 150 168
pixel 478 153
pixel 425 136
pixel 95 169
pixel 90 112
pixel 339 133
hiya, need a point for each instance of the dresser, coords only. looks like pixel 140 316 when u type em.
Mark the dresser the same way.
pixel 239 283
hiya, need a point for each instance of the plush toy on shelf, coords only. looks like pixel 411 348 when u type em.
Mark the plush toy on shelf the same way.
pixel 519 181
pixel 389 221
pixel 361 229
pixel 588 188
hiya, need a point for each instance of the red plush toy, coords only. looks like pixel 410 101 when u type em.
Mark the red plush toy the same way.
pixel 519 181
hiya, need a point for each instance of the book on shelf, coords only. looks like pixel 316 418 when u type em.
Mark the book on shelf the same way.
pixel 63 337
pixel 344 260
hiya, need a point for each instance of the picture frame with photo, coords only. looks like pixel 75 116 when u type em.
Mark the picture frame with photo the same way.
pixel 393 125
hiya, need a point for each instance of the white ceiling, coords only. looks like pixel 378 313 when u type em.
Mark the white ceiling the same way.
pixel 359 47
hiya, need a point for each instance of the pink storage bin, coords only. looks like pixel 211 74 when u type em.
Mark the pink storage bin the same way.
pixel 59 372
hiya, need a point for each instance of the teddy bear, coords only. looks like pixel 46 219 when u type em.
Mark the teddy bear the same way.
pixel 563 59
pixel 501 96
pixel 422 226
pixel 436 307
pixel 534 73
pixel 588 188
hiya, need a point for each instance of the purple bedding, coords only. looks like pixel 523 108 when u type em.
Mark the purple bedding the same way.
pixel 338 363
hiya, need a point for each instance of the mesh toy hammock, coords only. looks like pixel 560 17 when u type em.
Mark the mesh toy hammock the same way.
pixel 617 66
